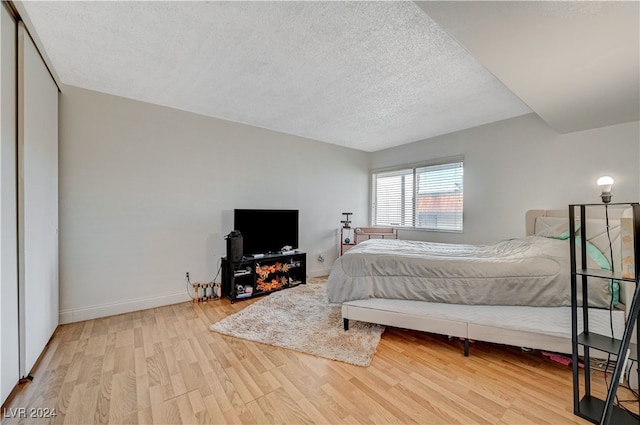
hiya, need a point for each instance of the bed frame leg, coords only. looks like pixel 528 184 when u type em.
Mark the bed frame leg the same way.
pixel 345 323
pixel 466 347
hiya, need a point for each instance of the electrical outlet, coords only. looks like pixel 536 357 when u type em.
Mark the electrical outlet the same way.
pixel 320 258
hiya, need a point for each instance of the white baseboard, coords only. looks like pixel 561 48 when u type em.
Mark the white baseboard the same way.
pixel 104 310
pixel 318 272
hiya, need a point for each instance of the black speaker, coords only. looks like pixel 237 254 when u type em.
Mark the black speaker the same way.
pixel 234 246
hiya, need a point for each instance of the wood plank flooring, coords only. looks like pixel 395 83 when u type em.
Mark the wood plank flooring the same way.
pixel 163 366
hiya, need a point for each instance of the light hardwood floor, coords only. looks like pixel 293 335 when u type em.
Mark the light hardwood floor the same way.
pixel 163 366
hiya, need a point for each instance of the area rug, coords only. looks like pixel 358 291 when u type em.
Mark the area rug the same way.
pixel 301 319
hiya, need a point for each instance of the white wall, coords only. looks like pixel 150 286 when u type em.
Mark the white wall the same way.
pixel 520 164
pixel 147 193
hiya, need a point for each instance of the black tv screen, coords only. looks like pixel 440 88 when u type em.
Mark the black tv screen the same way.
pixel 266 231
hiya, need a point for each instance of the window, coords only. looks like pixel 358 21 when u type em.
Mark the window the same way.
pixel 423 197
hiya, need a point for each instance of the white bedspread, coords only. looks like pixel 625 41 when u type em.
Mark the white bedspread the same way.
pixel 533 271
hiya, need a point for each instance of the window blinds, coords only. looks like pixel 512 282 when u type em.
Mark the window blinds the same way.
pixel 425 197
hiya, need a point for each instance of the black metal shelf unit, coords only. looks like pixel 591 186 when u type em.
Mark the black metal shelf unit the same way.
pixel 590 407
pixel 252 277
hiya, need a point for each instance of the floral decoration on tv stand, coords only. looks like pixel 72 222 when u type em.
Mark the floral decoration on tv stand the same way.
pixel 263 283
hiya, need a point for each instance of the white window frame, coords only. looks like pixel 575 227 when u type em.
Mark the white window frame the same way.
pixel 411 170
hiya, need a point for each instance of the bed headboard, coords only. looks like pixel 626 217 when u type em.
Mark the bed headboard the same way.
pixel 532 217
pixel 538 221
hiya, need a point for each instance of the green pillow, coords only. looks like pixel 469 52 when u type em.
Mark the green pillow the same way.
pixel 596 255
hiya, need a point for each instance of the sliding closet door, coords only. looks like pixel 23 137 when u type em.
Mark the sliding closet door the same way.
pixel 37 202
pixel 9 354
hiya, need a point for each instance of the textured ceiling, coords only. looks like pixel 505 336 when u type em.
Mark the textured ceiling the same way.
pixel 366 75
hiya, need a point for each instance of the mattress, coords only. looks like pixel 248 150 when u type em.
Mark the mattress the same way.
pixel 531 271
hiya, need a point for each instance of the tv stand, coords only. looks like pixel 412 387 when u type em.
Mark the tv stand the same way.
pixel 263 274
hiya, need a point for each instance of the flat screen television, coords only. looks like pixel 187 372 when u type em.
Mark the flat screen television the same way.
pixel 266 231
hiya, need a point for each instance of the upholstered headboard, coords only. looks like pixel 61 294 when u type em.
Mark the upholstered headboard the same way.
pixel 541 221
pixel 534 217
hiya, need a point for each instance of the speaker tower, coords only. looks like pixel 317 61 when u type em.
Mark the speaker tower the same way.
pixel 234 246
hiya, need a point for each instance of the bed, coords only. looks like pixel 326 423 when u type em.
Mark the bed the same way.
pixel 514 292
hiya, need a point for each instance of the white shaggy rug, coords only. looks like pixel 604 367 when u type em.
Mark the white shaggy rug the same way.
pixel 301 319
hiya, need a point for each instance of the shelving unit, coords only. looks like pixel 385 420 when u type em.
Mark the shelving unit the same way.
pixel 590 407
pixel 252 277
pixel 346 234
